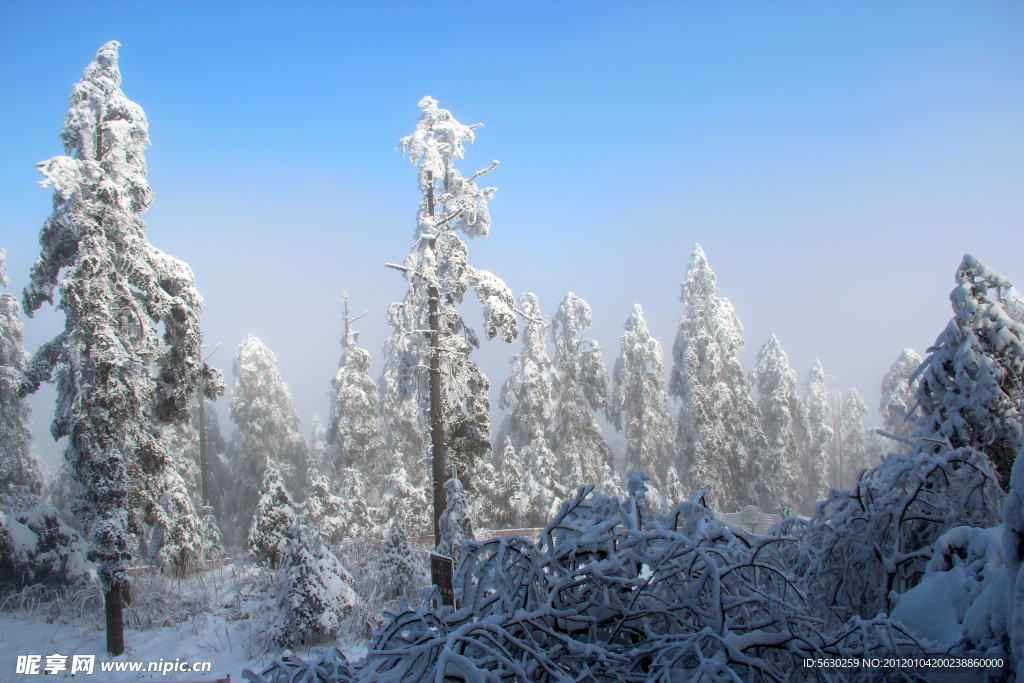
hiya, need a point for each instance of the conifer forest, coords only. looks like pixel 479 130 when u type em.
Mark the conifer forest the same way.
pixel 360 423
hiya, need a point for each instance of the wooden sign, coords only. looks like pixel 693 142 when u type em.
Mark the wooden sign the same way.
pixel 441 570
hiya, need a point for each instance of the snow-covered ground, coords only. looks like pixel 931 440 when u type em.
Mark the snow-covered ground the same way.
pixel 220 616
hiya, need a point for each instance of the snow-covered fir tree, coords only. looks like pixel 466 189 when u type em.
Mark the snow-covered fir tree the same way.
pixel 510 485
pixel 674 493
pixel 526 397
pixel 543 489
pixel 353 433
pixel 782 417
pixel 116 378
pixel 971 383
pixel 357 516
pixel 399 567
pixel 275 515
pixel 581 385
pixel 17 465
pixel 177 540
pixel 408 502
pixel 266 429
pixel 639 403
pixel 852 447
pixel 609 482
pixel 317 592
pixel 1013 303
pixel 59 491
pixel 316 448
pixel 898 398
pixel 213 543
pixel 486 498
pixel 717 436
pixel 323 512
pixel 438 275
pixel 816 442
pixel 456 520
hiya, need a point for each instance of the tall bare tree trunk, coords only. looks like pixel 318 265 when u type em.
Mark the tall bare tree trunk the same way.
pixel 436 418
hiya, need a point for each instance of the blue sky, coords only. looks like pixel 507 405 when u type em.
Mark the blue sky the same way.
pixel 834 160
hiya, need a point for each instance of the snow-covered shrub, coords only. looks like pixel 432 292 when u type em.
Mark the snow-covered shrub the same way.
pixel 329 667
pixel 36 546
pixel 18 499
pixel 275 515
pixel 599 598
pixel 399 567
pixel 1013 556
pixel 861 546
pixel 960 602
pixel 317 591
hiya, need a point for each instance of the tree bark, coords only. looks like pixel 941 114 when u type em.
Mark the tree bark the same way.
pixel 115 621
pixel 436 418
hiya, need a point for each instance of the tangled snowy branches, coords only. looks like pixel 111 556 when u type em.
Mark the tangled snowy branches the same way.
pixel 863 545
pixel 601 598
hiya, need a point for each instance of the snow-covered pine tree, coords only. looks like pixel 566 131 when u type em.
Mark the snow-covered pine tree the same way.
pixel 858 451
pixel 456 521
pixel 674 492
pixel 354 433
pixel 17 465
pixel 275 515
pixel 179 530
pixel 59 491
pixel 266 429
pixel 782 417
pixel 399 566
pixel 323 512
pixel 454 392
pixel 116 378
pixel 486 498
pixel 317 592
pixel 543 488
pixel 510 485
pixel 898 398
pixel 609 483
pixel 1013 303
pixel 526 397
pixel 971 383
pixel 718 438
pixel 317 446
pixel 581 385
pixel 639 403
pixel 213 544
pixel 357 516
pixel 402 499
pixel 816 444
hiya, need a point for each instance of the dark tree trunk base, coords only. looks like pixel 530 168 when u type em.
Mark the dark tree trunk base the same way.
pixel 115 622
